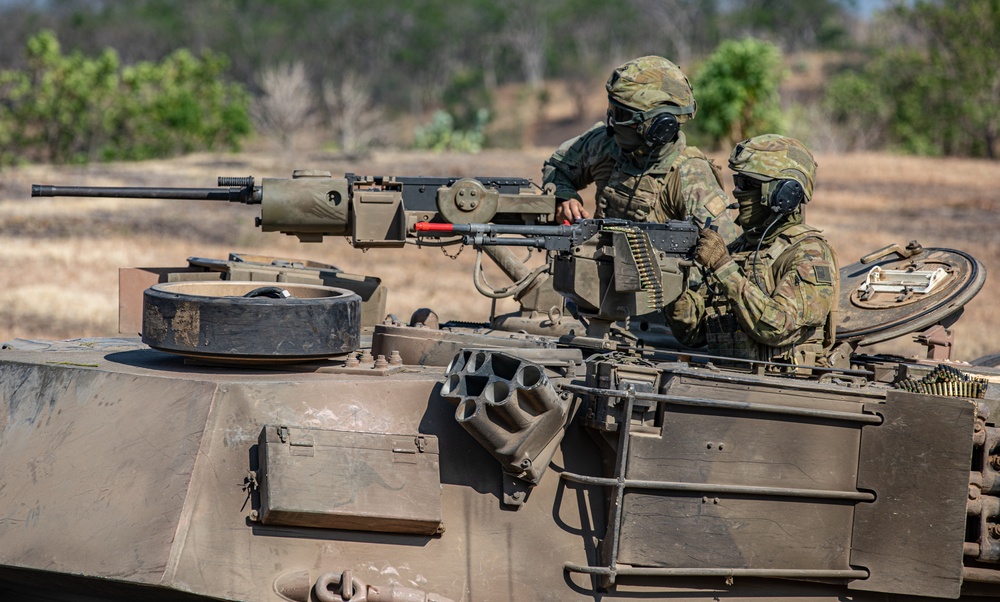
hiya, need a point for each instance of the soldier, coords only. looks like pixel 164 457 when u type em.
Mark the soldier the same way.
pixel 771 295
pixel 638 158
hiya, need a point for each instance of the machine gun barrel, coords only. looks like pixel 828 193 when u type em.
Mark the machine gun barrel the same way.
pixel 492 229
pixel 238 190
pixel 483 235
pixel 674 237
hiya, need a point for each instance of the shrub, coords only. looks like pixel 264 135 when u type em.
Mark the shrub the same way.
pixel 69 108
pixel 442 135
pixel 737 91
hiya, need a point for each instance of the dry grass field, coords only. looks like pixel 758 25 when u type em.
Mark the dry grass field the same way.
pixel 59 258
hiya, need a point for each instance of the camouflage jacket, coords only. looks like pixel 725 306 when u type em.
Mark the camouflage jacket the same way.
pixel 775 305
pixel 676 182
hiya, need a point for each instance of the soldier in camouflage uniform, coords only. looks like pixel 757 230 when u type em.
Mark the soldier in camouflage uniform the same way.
pixel 639 160
pixel 772 294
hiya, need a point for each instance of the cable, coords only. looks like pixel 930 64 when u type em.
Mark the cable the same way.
pixel 479 280
pixel 753 266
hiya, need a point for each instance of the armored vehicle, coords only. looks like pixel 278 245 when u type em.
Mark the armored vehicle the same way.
pixel 273 436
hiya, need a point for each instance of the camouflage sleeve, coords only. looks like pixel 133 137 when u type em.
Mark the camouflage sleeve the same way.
pixel 579 162
pixel 686 318
pixel 703 197
pixel 804 295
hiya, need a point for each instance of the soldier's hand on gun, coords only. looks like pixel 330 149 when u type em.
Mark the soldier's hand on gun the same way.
pixel 570 210
pixel 711 251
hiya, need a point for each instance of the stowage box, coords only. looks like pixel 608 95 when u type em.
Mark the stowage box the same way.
pixel 349 480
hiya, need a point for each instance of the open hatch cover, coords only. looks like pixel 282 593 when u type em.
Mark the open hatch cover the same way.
pixel 894 291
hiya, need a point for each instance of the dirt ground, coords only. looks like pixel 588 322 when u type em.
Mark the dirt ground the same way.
pixel 59 258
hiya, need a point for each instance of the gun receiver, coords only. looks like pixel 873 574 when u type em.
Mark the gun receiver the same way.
pixel 375 211
pixel 610 269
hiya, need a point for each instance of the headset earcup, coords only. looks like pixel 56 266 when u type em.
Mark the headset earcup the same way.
pixel 662 130
pixel 786 196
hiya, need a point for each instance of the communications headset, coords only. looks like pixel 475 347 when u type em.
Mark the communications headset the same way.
pixel 783 196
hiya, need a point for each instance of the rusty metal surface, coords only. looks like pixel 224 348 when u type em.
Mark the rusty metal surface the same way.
pixel 161 484
pixel 180 514
pixel 96 468
pixel 131 283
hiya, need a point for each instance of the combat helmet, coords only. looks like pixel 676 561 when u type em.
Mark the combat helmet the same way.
pixel 773 157
pixel 652 82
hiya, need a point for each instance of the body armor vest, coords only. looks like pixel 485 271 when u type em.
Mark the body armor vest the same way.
pixel 652 194
pixel 726 336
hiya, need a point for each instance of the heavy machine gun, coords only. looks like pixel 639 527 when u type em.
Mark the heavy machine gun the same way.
pixel 374 211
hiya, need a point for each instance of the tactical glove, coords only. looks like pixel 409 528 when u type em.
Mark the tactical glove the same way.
pixel 711 250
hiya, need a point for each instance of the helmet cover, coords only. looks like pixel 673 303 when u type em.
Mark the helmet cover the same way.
pixel 774 157
pixel 650 82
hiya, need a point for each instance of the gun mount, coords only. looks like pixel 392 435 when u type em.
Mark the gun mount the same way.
pixel 378 460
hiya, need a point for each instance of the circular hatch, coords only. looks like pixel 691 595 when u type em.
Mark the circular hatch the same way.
pixel 248 322
pixel 894 291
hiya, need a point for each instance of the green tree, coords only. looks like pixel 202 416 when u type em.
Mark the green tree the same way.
pixel 441 134
pixel 932 83
pixel 798 25
pixel 176 106
pixel 860 108
pixel 961 41
pixel 62 107
pixel 70 108
pixel 737 91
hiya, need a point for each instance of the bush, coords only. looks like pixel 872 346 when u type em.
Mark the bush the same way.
pixel 737 92
pixel 857 105
pixel 931 87
pixel 442 135
pixel 61 107
pixel 68 108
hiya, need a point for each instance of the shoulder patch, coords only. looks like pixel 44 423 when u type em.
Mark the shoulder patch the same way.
pixel 822 273
pixel 716 205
